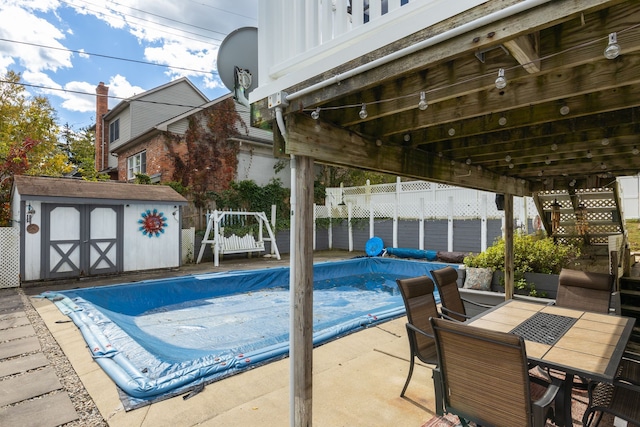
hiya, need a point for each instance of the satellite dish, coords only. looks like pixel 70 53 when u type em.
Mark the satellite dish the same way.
pixel 238 62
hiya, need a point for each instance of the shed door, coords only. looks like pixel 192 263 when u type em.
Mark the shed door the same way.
pixel 81 240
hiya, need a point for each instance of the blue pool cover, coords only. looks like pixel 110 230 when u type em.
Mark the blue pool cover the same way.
pixel 164 337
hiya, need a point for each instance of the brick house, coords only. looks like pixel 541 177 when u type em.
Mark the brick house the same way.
pixel 153 133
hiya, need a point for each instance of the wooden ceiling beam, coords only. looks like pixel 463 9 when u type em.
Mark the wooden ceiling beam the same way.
pixel 333 145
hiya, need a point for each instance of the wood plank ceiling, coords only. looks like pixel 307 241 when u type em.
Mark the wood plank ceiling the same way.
pixel 568 118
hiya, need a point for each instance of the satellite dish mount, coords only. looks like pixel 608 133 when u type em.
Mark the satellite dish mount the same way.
pixel 238 63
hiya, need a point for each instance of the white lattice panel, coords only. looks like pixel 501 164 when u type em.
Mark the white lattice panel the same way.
pixel 9 257
pixel 188 244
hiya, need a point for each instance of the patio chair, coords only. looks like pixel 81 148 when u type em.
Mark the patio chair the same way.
pixel 620 399
pixel 452 303
pixel 420 305
pixel 485 377
pixel 587 291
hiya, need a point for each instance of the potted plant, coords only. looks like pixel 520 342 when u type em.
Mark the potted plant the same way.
pixel 537 263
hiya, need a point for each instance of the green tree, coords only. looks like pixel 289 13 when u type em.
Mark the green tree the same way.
pixel 82 151
pixel 28 138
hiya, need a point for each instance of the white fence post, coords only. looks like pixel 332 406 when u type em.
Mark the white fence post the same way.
pixel 450 224
pixel 421 225
pixel 483 222
pixel 349 216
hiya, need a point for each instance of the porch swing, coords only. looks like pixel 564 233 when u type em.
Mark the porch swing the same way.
pixel 235 244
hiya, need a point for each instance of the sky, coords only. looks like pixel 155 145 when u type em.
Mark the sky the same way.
pixel 64 48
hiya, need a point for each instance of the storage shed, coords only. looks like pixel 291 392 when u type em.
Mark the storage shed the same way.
pixel 74 228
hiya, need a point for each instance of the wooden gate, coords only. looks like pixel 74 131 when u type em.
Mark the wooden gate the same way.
pixel 81 240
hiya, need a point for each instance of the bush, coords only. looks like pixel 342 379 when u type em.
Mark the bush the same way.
pixel 531 253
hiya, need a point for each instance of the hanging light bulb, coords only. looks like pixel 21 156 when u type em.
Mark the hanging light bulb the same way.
pixel 315 114
pixel 363 112
pixel 589 155
pixel 423 104
pixel 451 131
pixel 547 161
pixel 507 158
pixel 501 81
pixel 502 121
pixel 613 48
pixel 554 147
pixel 511 165
pixel 605 141
pixel 635 150
pixel 564 110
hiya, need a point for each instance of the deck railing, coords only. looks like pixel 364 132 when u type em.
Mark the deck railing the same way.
pixel 299 39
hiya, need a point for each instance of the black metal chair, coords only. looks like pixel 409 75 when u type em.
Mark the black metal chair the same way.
pixel 420 305
pixel 620 399
pixel 452 304
pixel 485 377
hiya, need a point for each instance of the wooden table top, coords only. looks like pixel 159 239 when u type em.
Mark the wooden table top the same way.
pixel 592 347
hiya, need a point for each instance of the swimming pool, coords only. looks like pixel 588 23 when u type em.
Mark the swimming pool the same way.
pixel 164 337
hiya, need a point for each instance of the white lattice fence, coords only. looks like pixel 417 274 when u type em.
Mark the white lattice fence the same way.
pixel 9 257
pixel 188 244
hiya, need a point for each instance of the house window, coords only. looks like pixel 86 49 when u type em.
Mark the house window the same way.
pixel 136 164
pixel 114 130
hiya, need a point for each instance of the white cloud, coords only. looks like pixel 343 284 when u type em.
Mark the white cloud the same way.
pixel 19 25
pixel 119 87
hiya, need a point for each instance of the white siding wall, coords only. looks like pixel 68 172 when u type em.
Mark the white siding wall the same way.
pixel 144 253
pixel 32 245
pixel 256 163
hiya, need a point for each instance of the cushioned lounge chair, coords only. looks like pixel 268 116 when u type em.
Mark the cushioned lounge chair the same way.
pixel 452 303
pixel 485 377
pixel 621 399
pixel 420 305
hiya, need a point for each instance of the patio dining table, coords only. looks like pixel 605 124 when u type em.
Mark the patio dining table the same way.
pixel 582 343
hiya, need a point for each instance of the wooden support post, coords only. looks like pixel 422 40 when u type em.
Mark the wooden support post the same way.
pixel 301 337
pixel 508 246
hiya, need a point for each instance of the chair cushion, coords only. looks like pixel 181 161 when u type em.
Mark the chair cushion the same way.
pixel 583 279
pixel 478 278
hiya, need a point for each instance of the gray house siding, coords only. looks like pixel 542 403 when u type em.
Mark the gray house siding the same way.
pixel 158 106
pixel 125 131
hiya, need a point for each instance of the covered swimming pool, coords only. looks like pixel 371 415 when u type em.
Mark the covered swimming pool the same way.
pixel 171 336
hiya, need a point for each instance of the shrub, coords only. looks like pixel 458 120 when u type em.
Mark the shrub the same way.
pixel 531 253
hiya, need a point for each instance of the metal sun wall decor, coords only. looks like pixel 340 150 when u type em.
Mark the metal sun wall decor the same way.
pixel 152 223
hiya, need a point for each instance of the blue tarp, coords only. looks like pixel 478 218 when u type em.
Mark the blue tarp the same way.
pixel 161 337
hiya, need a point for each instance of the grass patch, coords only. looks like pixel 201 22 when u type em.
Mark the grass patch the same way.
pixel 633 231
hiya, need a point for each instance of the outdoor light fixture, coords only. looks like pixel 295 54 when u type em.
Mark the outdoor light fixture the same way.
pixel 315 114
pixel 501 81
pixel 555 216
pixel 423 104
pixel 581 219
pixel 363 112
pixel 30 213
pixel 613 48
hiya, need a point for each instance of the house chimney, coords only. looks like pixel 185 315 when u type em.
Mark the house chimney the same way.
pixel 102 135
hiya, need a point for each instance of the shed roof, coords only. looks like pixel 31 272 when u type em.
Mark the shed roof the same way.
pixel 76 190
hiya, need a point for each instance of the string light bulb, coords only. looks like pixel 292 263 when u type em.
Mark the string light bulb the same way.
pixel 315 114
pixel 589 155
pixel 501 81
pixel 613 48
pixel 363 112
pixel 564 110
pixel 635 150
pixel 423 104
